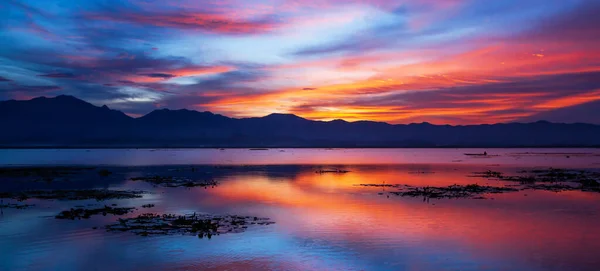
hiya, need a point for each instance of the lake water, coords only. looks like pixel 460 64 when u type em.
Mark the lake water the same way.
pixel 324 221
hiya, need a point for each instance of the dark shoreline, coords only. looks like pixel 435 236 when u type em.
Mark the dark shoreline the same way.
pixel 82 147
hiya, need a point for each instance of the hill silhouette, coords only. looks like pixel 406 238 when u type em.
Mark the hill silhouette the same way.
pixel 65 121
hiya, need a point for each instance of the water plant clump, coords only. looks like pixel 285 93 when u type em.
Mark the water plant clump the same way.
pixel 551 179
pixel 452 191
pixel 45 174
pixel 15 205
pixel 200 225
pixel 147 205
pixel 379 185
pixel 40 171
pixel 97 194
pixel 169 181
pixel 79 213
pixel 488 174
pixel 334 170
pixel 104 172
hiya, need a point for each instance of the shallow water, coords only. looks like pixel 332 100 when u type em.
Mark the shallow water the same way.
pixel 137 157
pixel 323 221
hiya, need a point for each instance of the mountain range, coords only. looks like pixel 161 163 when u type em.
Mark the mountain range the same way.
pixel 65 121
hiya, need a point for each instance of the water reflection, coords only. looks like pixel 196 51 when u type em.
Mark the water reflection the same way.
pixel 140 157
pixel 324 222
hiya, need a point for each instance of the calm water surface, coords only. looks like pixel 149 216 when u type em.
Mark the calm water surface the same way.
pixel 323 221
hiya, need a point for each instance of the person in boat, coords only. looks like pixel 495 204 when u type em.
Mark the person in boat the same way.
pixel 485 153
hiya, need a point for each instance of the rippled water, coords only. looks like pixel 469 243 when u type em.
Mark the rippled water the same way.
pixel 323 221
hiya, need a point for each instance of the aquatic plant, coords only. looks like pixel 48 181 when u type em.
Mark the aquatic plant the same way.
pixel 192 224
pixel 488 174
pixel 335 170
pixel 169 181
pixel 552 179
pixel 104 173
pixel 14 205
pixel 40 171
pixel 80 213
pixel 41 174
pixel 452 191
pixel 97 194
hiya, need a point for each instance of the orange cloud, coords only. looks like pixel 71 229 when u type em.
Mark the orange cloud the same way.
pixel 570 100
pixel 488 65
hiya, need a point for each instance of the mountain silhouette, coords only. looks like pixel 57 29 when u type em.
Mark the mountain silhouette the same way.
pixel 65 121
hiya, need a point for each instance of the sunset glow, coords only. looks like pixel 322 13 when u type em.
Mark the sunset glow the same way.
pixel 444 62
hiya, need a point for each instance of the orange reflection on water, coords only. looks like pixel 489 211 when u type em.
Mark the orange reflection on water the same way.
pixel 558 228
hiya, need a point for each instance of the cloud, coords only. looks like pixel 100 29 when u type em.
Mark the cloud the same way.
pixel 584 113
pixel 159 75
pixel 454 61
pixel 482 102
pixel 25 92
pixel 59 75
pixel 201 21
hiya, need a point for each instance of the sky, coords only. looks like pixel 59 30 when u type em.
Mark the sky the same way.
pixel 402 61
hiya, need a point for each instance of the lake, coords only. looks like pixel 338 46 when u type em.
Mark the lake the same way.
pixel 334 209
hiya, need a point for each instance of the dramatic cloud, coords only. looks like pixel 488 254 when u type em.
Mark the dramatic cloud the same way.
pixel 208 22
pixel 450 61
pixel 58 75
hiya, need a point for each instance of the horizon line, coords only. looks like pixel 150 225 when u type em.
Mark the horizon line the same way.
pixel 290 114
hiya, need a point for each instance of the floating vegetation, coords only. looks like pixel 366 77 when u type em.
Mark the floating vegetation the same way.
pixel 104 173
pixel 194 224
pixel 335 170
pixel 481 155
pixel 169 181
pixel 40 171
pixel 556 154
pixel 46 174
pixel 380 185
pixel 97 194
pixel 473 191
pixel 552 187
pixel 147 205
pixel 15 205
pixel 192 169
pixel 551 179
pixel 80 213
pixel 452 191
pixel 487 174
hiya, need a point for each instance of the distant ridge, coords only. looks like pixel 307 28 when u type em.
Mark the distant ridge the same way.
pixel 65 121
